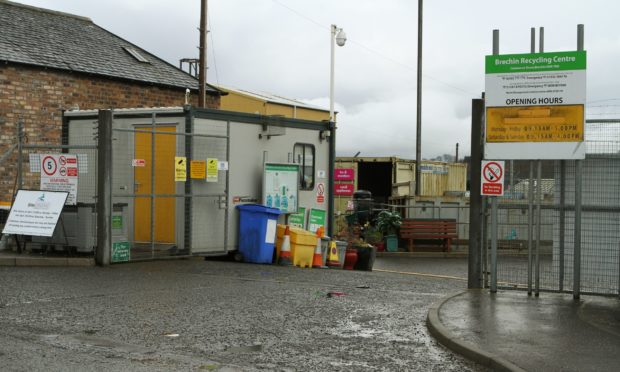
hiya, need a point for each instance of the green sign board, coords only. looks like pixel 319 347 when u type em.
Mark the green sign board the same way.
pixel 535 62
pixel 316 219
pixel 298 219
pixel 120 252
pixel 117 222
pixel 280 186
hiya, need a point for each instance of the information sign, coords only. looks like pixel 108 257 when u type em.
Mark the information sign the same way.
pixel 320 193
pixel 59 172
pixel 316 219
pixel 298 219
pixel 180 169
pixel 121 252
pixel 492 178
pixel 212 168
pixel 344 174
pixel 198 169
pixel 280 186
pixel 35 212
pixel 343 189
pixel 535 105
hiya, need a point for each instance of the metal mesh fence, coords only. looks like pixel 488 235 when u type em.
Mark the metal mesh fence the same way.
pixel 550 263
pixel 169 189
pixel 73 155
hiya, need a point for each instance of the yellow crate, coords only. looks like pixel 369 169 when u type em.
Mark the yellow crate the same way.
pixel 303 244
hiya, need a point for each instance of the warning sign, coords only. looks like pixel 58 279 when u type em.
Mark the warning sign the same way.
pixel 59 172
pixel 320 193
pixel 212 167
pixel 180 169
pixel 492 178
pixel 198 169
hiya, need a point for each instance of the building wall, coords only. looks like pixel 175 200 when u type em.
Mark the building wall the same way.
pixel 235 101
pixel 37 97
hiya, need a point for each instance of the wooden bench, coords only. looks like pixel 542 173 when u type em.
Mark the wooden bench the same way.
pixel 423 228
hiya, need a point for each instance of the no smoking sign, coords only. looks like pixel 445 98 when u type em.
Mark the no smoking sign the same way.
pixel 492 177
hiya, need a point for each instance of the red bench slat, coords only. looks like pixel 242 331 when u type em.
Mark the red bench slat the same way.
pixel 442 229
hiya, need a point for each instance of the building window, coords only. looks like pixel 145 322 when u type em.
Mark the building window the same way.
pixel 303 154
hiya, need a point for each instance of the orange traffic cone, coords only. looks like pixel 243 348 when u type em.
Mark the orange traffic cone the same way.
pixel 317 259
pixel 285 251
pixel 332 259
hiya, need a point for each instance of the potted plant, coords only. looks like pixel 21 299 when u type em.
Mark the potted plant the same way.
pixel 389 223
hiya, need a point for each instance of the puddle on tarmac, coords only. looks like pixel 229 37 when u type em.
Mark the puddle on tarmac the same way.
pixel 245 349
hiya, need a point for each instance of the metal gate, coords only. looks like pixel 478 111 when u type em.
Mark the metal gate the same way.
pixel 75 232
pixel 536 227
pixel 170 186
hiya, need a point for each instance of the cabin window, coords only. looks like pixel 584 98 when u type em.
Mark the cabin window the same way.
pixel 303 154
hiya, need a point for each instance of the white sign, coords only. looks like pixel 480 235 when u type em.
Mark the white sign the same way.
pixel 492 178
pixel 280 186
pixel 35 212
pixel 535 106
pixel 59 172
pixel 222 165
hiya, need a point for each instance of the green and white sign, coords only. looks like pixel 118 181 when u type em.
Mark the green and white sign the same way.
pixel 535 105
pixel 280 186
pixel 298 219
pixel 120 252
pixel 316 219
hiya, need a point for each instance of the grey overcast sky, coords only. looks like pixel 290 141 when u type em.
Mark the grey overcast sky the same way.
pixel 283 47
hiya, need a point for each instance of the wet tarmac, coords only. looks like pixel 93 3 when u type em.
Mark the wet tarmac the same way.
pixel 547 333
pixel 212 315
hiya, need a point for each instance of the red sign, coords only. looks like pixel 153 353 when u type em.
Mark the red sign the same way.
pixel 343 189
pixel 320 193
pixel 492 178
pixel 344 174
pixel 138 163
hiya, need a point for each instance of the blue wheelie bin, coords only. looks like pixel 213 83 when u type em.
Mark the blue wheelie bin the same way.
pixel 257 232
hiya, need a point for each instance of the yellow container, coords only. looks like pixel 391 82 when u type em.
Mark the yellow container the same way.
pixel 303 244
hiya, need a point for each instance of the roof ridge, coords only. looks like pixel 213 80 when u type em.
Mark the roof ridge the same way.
pixel 43 10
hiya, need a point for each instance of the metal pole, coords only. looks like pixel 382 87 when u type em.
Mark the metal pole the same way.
pixel 332 35
pixel 20 148
pixel 562 221
pixel 578 190
pixel 533 40
pixel 530 227
pixel 332 132
pixel 202 75
pixel 493 244
pixel 104 188
pixel 418 136
pixel 539 192
pixel 475 199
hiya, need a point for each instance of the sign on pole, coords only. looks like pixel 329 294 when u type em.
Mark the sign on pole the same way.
pixel 535 106
pixel 492 178
pixel 59 172
pixel 35 212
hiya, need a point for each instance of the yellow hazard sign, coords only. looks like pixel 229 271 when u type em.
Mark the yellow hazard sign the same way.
pixel 198 169
pixel 535 124
pixel 180 169
pixel 212 170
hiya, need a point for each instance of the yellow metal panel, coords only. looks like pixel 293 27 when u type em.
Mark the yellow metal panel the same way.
pixel 241 103
pixel 165 146
pixel 535 124
pixel 278 109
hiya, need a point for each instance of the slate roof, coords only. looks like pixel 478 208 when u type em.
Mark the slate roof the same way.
pixel 46 38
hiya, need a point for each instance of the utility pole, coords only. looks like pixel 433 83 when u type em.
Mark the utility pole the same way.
pixel 202 74
pixel 418 136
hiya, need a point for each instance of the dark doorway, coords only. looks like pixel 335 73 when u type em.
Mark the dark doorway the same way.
pixel 375 177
